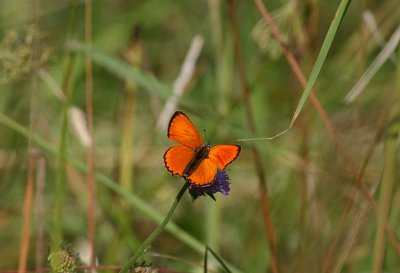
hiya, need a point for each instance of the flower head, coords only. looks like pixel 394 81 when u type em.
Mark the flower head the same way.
pixel 220 184
pixel 63 260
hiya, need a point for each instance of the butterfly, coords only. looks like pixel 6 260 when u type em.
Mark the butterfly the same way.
pixel 193 159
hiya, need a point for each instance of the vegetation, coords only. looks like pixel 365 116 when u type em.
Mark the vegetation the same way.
pixel 309 89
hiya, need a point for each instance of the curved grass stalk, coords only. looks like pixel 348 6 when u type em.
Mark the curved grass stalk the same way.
pixel 139 252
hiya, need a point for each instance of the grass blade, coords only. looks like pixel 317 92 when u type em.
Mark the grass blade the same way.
pixel 383 56
pixel 340 12
pixel 122 69
pixel 220 261
pixel 385 197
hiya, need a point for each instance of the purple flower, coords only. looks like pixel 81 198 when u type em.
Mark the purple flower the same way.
pixel 220 184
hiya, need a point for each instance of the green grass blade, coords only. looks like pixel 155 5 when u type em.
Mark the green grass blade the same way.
pixel 122 69
pixel 219 259
pixel 385 197
pixel 340 12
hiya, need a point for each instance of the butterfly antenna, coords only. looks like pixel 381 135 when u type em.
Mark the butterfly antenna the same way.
pixel 205 134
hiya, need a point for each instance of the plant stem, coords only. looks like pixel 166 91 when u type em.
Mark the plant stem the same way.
pixel 155 233
pixel 27 213
pixel 90 175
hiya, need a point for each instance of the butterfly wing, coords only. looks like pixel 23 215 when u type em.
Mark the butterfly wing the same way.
pixel 223 155
pixel 204 174
pixel 182 130
pixel 177 158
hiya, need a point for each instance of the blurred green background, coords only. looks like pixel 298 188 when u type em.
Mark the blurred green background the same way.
pixel 329 198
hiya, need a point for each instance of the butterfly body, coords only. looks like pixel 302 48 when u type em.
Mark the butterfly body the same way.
pixel 193 159
pixel 200 154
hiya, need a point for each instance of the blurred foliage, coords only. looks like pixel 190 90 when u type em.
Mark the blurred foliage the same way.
pixel 16 55
pixel 309 182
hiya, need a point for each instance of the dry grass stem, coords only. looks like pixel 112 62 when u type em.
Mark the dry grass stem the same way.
pixel 382 57
pixel 181 82
pixel 40 248
pixel 27 213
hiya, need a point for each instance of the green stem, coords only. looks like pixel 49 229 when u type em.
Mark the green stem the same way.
pixel 57 232
pixel 155 233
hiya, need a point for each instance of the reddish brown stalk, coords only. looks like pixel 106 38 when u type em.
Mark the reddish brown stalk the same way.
pixel 329 127
pixel 27 214
pixel 391 235
pixel 91 183
pixel 326 265
pixel 39 204
pixel 256 155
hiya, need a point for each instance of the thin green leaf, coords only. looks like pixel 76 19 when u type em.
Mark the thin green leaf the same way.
pixel 382 57
pixel 122 69
pixel 219 259
pixel 321 56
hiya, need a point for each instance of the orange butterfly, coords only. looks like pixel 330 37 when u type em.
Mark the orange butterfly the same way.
pixel 195 160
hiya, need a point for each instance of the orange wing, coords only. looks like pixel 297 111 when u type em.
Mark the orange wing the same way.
pixel 182 130
pixel 177 158
pixel 204 174
pixel 223 155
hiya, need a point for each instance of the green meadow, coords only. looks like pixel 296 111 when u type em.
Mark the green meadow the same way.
pixel 309 89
